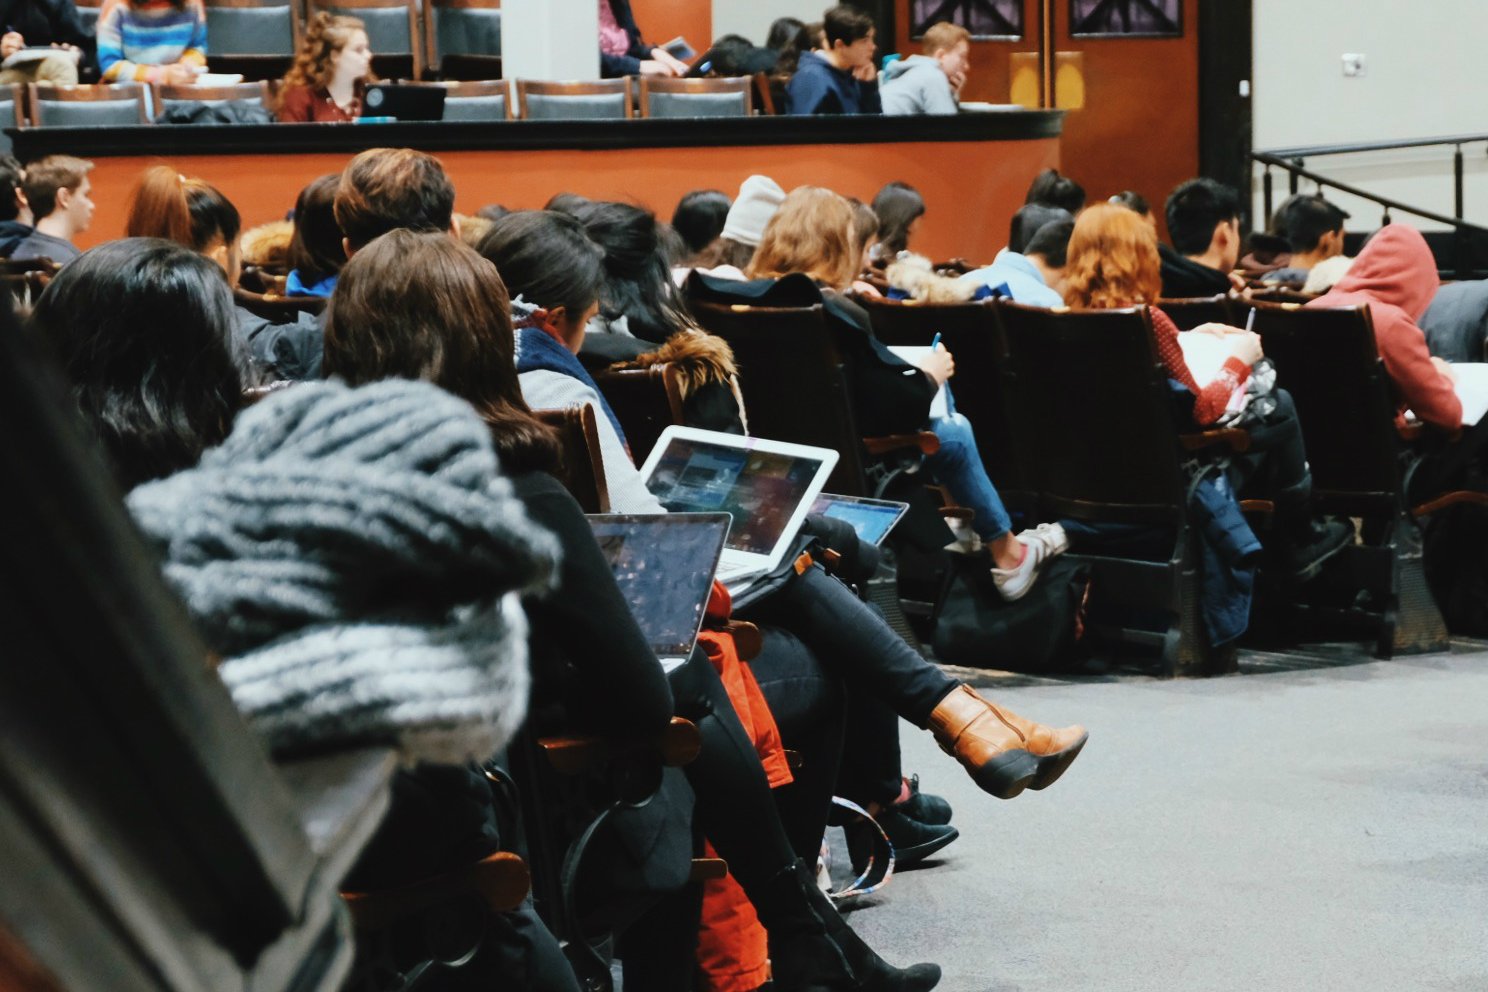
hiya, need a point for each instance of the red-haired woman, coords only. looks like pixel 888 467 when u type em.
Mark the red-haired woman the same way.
pixel 1113 262
pixel 330 72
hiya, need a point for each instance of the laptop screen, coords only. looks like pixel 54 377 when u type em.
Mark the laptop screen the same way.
pixel 761 490
pixel 664 566
pixel 871 519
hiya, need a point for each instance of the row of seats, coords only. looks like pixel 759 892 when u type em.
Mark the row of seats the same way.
pixel 450 36
pixel 40 105
pixel 1074 419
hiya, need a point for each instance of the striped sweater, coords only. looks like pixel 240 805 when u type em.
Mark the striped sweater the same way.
pixel 136 38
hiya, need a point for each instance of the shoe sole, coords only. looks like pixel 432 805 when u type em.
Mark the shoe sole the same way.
pixel 1007 775
pixel 1051 766
pixel 904 857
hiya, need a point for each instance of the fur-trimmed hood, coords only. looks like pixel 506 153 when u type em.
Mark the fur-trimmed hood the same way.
pixel 915 275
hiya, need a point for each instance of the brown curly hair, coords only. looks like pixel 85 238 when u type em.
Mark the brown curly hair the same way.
pixel 325 35
pixel 1113 260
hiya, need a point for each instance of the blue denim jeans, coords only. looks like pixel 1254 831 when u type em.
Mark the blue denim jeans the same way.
pixel 958 467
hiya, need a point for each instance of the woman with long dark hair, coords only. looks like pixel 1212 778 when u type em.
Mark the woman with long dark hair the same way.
pixel 315 252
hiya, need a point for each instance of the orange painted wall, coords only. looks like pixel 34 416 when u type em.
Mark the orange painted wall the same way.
pixel 971 188
pixel 662 20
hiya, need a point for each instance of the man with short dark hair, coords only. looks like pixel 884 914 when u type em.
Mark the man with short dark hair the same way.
pixel 15 212
pixel 1313 229
pixel 929 83
pixel 57 189
pixel 383 189
pixel 1034 276
pixel 840 79
pixel 1204 225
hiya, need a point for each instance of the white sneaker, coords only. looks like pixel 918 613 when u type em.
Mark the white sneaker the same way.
pixel 1040 544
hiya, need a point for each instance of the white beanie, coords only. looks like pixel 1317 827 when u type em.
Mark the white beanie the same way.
pixel 759 197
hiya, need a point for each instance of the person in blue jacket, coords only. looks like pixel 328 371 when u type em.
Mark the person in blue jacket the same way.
pixel 841 78
pixel 622 51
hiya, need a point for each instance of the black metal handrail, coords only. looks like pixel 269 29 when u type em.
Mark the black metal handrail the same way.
pixel 1293 160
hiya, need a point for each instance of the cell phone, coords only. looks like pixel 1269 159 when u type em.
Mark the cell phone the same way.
pixel 679 49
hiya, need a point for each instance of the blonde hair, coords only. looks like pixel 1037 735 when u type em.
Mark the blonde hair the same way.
pixel 812 232
pixel 1113 260
pixel 942 36
pixel 325 35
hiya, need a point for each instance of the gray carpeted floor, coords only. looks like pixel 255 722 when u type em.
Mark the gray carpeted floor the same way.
pixel 1318 822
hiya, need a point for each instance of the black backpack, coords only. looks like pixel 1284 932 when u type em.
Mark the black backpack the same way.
pixel 1037 633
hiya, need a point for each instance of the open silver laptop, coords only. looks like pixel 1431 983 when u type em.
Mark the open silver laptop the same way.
pixel 766 486
pixel 872 519
pixel 664 565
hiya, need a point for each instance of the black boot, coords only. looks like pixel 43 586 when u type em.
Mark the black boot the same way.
pixel 812 949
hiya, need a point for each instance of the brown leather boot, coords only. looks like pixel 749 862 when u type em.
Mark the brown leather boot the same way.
pixel 1054 749
pixel 991 749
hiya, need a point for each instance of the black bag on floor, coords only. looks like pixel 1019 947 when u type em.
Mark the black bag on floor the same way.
pixel 1456 561
pixel 1037 633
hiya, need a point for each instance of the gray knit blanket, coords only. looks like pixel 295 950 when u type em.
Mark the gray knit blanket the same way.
pixel 356 559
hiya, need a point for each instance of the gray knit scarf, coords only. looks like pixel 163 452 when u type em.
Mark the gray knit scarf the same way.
pixel 356 558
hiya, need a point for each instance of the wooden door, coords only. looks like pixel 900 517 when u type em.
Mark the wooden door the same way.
pixel 1126 70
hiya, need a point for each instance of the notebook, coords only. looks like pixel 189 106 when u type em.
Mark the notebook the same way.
pixel 766 486
pixel 664 565
pixel 405 103
pixel 871 518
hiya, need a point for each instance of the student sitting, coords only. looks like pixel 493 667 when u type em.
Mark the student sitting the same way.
pixel 152 41
pixel 1456 323
pixel 1395 276
pixel 1029 219
pixel 759 197
pixel 1204 222
pixel 57 189
pixel 425 306
pixel 385 189
pixel 1050 189
pixel 1113 262
pixel 841 79
pixel 315 252
pixel 699 220
pixel 43 24
pixel 1034 277
pixel 330 72
pixel 193 213
pixel 1313 229
pixel 929 83
pixel 900 209
pixel 15 213
pixel 622 51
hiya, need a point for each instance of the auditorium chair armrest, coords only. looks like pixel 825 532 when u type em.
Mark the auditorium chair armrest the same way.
pixel 1455 498
pixel 924 441
pixel 707 869
pixel 678 745
pixel 1234 438
pixel 502 880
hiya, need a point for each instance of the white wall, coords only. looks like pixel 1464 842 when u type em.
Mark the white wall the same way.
pixel 1425 66
pixel 752 18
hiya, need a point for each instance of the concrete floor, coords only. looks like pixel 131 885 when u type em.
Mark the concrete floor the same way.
pixel 1318 822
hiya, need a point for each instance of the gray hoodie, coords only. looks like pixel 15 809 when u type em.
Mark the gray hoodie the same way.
pixel 916 85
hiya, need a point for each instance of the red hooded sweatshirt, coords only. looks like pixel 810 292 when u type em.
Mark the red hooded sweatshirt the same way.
pixel 1395 275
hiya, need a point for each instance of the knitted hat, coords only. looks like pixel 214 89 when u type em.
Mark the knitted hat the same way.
pixel 759 197
pixel 355 558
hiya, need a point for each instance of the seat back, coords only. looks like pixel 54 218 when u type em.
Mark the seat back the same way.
pixel 1190 313
pixel 1092 414
pixel 168 96
pixel 1328 361
pixel 392 31
pixel 792 380
pixel 484 100
pixel 972 334
pixel 601 99
pixel 98 105
pixel 466 29
pixel 722 97
pixel 88 11
pixel 647 401
pixel 252 27
pixel 12 112
pixel 582 472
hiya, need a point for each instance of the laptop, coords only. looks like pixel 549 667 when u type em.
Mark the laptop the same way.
pixel 766 486
pixel 664 565
pixel 871 518
pixel 404 103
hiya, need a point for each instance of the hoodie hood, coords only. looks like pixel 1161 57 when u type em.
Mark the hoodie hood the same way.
pixel 905 66
pixel 1396 268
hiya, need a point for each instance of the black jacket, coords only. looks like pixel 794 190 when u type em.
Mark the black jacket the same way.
pixel 1183 278
pixel 818 87
pixel 628 64
pixel 889 395
pixel 12 233
pixel 46 22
